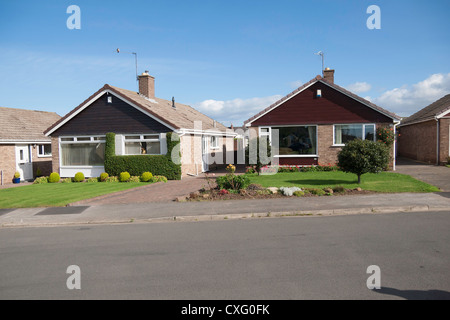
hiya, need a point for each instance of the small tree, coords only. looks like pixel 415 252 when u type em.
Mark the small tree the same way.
pixel 363 156
pixel 258 153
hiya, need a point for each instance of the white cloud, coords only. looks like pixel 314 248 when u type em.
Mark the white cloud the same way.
pixel 359 87
pixel 235 111
pixel 295 84
pixel 407 100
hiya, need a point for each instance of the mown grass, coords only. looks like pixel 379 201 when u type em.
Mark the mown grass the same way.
pixel 383 182
pixel 58 194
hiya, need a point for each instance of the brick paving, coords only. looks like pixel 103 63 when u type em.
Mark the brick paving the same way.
pixel 159 192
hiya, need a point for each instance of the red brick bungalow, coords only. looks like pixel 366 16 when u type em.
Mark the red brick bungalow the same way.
pixel 316 120
pixel 424 136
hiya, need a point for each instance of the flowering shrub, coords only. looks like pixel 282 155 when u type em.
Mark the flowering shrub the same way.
pixel 386 135
pixel 231 169
pixel 289 191
pixel 250 170
pixel 223 192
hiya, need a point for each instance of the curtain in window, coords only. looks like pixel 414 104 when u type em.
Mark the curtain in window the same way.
pixel 312 138
pixel 83 154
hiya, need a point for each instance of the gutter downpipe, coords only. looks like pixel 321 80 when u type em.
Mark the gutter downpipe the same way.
pixel 394 165
pixel 437 141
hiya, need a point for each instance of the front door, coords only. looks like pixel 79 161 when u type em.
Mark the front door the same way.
pixel 23 162
pixel 205 147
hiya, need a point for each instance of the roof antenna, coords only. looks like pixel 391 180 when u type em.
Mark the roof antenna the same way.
pixel 173 103
pixel 320 53
pixel 136 62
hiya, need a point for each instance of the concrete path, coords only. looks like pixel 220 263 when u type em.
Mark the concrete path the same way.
pixel 438 176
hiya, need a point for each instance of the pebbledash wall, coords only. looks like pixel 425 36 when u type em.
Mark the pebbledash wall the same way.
pixel 419 141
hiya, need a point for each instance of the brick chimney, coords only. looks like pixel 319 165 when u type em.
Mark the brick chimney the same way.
pixel 146 85
pixel 328 75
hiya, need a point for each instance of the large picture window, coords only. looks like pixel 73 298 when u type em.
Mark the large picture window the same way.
pixel 344 133
pixel 300 140
pixel 83 151
pixel 142 144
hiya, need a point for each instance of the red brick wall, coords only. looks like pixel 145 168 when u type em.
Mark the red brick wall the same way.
pixel 418 141
pixel 444 131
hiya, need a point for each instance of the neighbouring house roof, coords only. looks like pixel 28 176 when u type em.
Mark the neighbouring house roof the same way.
pixel 433 111
pixel 20 125
pixel 319 78
pixel 178 118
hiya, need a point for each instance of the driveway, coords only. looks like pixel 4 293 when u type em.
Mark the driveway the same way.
pixel 438 176
pixel 160 192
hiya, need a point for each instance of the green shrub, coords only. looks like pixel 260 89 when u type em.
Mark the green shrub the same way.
pixel 79 177
pixel 136 164
pixel 338 189
pixel 363 156
pixel 124 176
pixel 146 177
pixel 54 177
pixel 234 182
pixel 104 176
pixel 112 179
pixel 92 180
pixel 66 180
pixel 134 179
pixel 40 180
pixel 317 192
pixel 159 179
pixel 299 193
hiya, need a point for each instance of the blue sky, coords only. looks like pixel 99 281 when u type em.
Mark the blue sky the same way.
pixel 230 59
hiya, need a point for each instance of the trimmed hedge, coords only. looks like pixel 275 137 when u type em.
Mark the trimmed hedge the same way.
pixel 161 165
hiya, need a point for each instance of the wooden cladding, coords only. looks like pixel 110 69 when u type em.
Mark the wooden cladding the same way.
pixel 333 107
pixel 102 117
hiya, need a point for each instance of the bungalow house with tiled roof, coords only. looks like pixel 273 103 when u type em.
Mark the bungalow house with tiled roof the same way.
pixel 23 146
pixel 424 136
pixel 140 121
pixel 310 125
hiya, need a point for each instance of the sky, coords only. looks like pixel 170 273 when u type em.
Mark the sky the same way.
pixel 228 59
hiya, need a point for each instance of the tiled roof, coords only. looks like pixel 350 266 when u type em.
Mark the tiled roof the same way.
pixel 180 117
pixel 25 125
pixel 333 85
pixel 430 112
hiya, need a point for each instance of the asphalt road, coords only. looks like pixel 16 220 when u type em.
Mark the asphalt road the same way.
pixel 258 258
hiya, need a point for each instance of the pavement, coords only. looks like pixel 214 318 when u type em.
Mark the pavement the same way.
pixel 154 204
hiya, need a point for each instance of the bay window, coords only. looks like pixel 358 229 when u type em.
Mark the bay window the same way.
pixel 82 151
pixel 295 140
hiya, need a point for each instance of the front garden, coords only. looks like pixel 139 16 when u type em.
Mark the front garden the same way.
pixel 52 191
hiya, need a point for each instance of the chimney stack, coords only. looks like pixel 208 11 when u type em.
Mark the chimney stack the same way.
pixel 328 75
pixel 147 85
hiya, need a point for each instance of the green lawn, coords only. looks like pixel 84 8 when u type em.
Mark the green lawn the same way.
pixel 58 194
pixel 382 182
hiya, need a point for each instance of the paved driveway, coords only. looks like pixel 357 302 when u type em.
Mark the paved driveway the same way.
pixel 438 176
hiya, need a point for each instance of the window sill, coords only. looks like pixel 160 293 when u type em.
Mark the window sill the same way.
pixel 44 156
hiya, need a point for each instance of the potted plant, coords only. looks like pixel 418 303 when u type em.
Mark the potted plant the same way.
pixel 16 178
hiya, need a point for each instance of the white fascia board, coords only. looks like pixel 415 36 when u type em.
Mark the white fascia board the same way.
pixel 248 124
pixel 97 97
pixel 442 114
pixel 25 142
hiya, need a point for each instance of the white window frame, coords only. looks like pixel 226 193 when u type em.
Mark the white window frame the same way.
pixel 214 142
pixel 363 126
pixel 316 155
pixel 142 139
pixel 41 154
pixel 92 140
